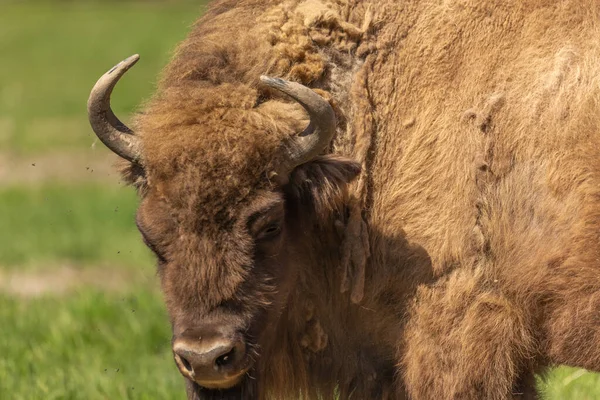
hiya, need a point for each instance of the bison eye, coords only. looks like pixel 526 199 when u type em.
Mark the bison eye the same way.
pixel 269 232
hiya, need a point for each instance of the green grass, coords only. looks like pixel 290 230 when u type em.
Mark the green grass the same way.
pixel 89 224
pixel 52 54
pixel 90 345
pixel 570 384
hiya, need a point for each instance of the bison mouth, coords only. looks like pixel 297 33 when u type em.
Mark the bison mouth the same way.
pixel 227 383
pixel 243 389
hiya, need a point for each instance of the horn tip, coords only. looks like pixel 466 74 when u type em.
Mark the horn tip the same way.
pixel 124 65
pixel 131 60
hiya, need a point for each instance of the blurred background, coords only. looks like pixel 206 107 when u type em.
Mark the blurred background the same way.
pixel 81 315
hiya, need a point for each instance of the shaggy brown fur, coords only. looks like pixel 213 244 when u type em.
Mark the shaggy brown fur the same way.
pixel 469 241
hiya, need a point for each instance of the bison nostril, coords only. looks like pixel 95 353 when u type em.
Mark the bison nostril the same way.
pixel 214 362
pixel 225 359
pixel 186 364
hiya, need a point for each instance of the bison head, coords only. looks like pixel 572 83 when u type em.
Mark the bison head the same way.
pixel 233 200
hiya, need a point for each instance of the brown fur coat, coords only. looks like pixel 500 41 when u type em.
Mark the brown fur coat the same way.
pixel 468 248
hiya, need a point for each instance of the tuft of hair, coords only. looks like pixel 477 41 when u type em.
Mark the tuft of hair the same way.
pixel 321 185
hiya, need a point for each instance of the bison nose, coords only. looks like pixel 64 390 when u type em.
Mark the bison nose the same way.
pixel 214 363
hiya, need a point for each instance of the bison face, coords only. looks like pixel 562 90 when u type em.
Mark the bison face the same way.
pixel 224 284
pixel 234 202
pixel 226 273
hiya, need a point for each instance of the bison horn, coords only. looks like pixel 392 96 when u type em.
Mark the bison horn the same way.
pixel 318 133
pixel 112 132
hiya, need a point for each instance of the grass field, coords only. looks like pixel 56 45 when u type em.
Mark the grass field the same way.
pixel 80 310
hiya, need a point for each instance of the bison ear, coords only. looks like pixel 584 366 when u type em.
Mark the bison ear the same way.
pixel 132 174
pixel 321 184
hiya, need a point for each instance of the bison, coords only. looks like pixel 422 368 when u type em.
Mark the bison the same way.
pixel 405 205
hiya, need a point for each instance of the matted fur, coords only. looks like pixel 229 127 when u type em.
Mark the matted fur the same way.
pixel 469 239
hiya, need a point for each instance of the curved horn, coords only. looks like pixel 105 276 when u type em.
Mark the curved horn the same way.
pixel 112 132
pixel 321 128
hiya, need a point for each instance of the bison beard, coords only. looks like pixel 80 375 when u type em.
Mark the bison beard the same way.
pixel 406 208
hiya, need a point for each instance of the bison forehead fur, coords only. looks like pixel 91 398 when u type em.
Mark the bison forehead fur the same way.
pixel 444 246
pixel 191 143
